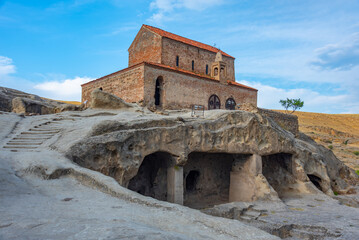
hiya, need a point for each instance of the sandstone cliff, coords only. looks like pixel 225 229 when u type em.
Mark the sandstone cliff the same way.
pixel 136 147
pixel 117 149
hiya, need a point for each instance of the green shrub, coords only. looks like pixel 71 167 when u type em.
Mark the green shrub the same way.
pixel 357 171
pixel 356 153
pixel 346 142
pixel 330 146
pixel 335 193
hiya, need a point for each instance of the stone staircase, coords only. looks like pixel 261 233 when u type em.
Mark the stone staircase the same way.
pixel 31 139
pixel 251 214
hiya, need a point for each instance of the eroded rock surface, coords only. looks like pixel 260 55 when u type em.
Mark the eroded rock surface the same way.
pixel 12 100
pixel 105 100
pixel 44 195
pixel 290 165
pixel 140 150
pixel 308 217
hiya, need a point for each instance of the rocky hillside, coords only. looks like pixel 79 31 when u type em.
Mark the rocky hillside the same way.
pixel 12 100
pixel 114 171
pixel 338 132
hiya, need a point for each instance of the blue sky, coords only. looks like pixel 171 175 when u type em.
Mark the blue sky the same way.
pixel 295 49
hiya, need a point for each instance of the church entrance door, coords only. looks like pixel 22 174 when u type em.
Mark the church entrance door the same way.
pixel 214 102
pixel 158 91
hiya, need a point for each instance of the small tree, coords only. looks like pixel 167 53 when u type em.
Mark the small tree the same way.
pixel 292 103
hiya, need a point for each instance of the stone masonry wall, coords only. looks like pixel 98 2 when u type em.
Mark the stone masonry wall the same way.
pixel 187 53
pixel 146 47
pixel 180 90
pixel 127 84
pixel 287 121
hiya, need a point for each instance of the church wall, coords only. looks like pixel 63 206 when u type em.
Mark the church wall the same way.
pixel 187 53
pixel 127 84
pixel 146 47
pixel 182 91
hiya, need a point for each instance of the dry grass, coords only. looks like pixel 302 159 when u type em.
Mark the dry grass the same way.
pixel 348 123
pixel 339 132
pixel 68 102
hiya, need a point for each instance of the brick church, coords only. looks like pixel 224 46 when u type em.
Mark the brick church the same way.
pixel 172 72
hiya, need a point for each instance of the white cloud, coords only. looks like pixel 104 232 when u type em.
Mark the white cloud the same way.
pixel 268 97
pixel 341 56
pixel 6 66
pixel 69 89
pixel 200 4
pixel 158 18
pixel 164 7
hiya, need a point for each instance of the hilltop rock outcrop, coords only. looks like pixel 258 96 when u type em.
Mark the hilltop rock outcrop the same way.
pixel 12 100
pixel 249 147
pixel 233 164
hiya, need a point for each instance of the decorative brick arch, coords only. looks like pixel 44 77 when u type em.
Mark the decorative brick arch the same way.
pixel 230 104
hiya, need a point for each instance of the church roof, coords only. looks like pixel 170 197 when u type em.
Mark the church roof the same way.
pixel 185 40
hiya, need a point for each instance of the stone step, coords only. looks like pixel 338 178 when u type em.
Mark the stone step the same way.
pixel 21 147
pixel 246 218
pixel 31 138
pixel 28 140
pixel 253 214
pixel 40 133
pixel 44 130
pixel 47 124
pixel 23 150
pixel 23 143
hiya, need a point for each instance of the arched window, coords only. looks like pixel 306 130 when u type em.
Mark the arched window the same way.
pixel 192 65
pixel 100 89
pixel 214 102
pixel 207 69
pixel 230 104
pixel 215 71
pixel 177 61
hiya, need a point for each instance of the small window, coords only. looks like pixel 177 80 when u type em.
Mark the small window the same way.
pixel 192 65
pixel 177 61
pixel 230 104
pixel 207 69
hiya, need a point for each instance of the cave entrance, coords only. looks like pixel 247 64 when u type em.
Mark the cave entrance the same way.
pixel 316 181
pixel 277 168
pixel 191 180
pixel 207 178
pixel 151 178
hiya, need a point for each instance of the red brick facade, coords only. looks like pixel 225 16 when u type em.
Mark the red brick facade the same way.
pixel 127 84
pixel 146 47
pixel 186 54
pixel 153 58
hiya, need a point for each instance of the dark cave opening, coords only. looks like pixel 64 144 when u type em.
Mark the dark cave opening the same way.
pixel 206 179
pixel 277 168
pixel 151 178
pixel 316 181
pixel 191 180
